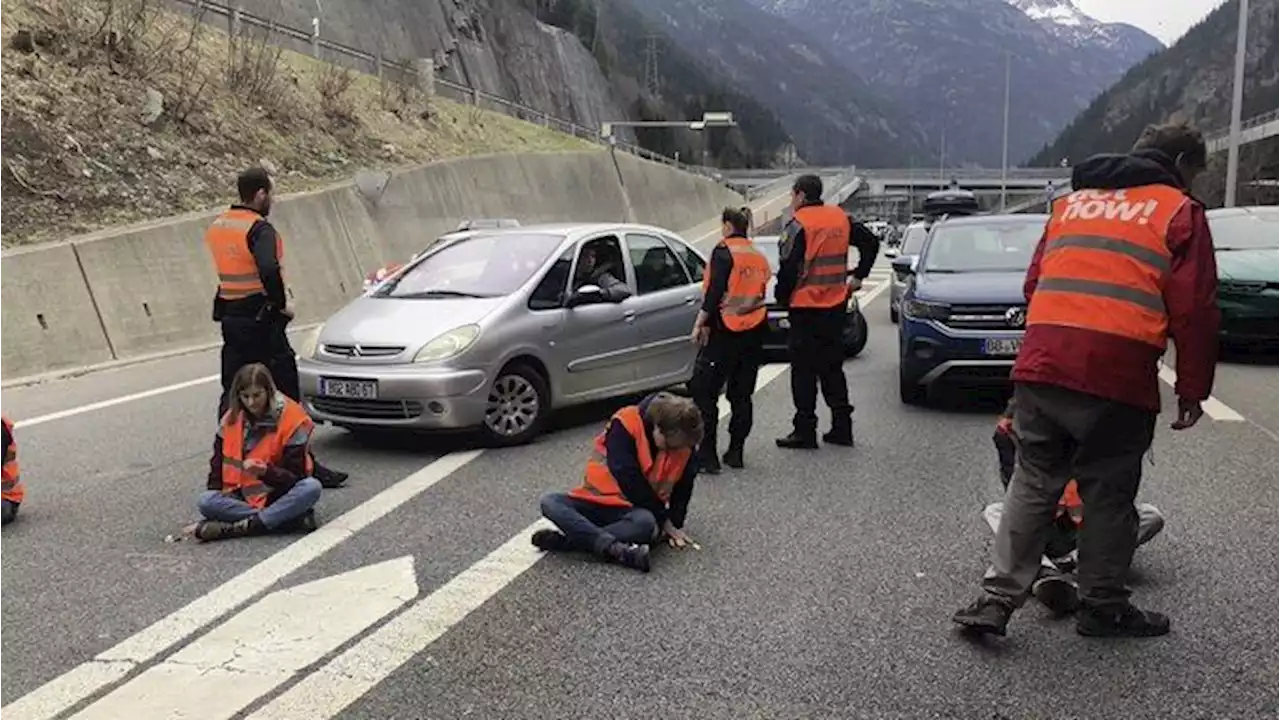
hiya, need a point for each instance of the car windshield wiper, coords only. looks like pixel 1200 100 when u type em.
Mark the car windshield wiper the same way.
pixel 421 294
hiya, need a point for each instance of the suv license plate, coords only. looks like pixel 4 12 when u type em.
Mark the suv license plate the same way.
pixel 1001 346
pixel 354 389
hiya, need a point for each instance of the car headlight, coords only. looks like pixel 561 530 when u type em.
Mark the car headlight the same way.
pixel 920 310
pixel 449 344
pixel 310 342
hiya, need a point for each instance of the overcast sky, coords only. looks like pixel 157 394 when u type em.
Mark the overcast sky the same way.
pixel 1166 19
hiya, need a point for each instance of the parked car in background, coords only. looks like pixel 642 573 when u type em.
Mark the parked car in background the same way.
pixel 1247 245
pixel 912 241
pixel 495 328
pixel 963 313
pixel 855 326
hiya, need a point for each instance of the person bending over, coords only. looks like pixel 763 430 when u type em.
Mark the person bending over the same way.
pixel 260 475
pixel 636 488
pixel 1056 587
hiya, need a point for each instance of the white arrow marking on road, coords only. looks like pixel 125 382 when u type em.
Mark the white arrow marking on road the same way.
pixel 262 647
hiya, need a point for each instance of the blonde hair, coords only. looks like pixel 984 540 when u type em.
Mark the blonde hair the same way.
pixel 677 417
pixel 253 375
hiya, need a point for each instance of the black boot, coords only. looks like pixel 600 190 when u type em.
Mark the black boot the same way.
pixel 708 463
pixel 635 557
pixel 733 456
pixel 985 615
pixel 304 523
pixel 1122 621
pixel 328 477
pixel 550 541
pixel 841 432
pixel 210 530
pixel 798 441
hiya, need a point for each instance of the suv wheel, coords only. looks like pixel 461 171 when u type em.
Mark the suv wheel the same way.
pixel 910 391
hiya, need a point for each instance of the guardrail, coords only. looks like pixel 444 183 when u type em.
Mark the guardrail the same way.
pixel 1252 122
pixel 455 91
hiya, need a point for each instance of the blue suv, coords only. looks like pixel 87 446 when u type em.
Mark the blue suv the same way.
pixel 963 312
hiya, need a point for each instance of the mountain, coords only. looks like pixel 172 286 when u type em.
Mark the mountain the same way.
pixel 1065 21
pixel 1191 81
pixel 833 116
pixel 944 62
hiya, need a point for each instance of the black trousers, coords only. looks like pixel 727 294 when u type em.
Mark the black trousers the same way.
pixel 247 340
pixel 728 363
pixel 815 343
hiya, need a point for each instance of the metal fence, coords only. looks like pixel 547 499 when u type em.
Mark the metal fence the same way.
pixel 376 64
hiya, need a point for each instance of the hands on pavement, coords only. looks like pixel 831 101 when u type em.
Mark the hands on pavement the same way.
pixel 677 538
pixel 1189 413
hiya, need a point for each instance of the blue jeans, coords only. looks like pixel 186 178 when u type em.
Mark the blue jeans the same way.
pixel 593 528
pixel 214 505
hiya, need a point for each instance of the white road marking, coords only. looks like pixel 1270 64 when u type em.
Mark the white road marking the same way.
pixel 1213 407
pixel 262 647
pixel 113 402
pixel 88 678
pixel 345 679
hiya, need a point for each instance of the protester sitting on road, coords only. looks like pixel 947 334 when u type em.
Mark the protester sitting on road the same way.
pixel 260 475
pixel 1055 587
pixel 13 491
pixel 636 488
pixel 599 271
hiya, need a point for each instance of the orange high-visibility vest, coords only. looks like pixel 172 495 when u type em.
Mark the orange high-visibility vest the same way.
pixel 13 490
pixel 270 450
pixel 663 469
pixel 1106 262
pixel 742 307
pixel 1071 505
pixel 228 241
pixel 823 280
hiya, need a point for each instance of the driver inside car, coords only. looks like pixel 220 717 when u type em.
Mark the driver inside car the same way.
pixel 594 270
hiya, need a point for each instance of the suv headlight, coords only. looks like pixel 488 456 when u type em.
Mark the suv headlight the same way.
pixel 920 310
pixel 310 342
pixel 448 344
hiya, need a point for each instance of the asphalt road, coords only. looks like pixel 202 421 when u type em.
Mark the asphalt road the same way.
pixel 823 588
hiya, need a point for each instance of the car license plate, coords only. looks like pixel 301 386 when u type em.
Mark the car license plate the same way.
pixel 1001 346
pixel 355 389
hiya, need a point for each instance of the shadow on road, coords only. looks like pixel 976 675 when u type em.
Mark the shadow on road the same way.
pixel 1234 356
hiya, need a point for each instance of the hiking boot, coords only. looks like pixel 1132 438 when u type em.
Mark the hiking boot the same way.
pixel 798 441
pixel 733 457
pixel 709 464
pixel 210 530
pixel 1058 593
pixel 1120 621
pixel 550 541
pixel 839 435
pixel 304 523
pixel 328 477
pixel 985 615
pixel 633 556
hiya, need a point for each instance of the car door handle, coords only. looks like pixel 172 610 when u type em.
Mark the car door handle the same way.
pixel 691 300
pixel 629 316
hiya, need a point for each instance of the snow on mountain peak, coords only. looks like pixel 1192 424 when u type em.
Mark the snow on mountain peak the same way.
pixel 1064 20
pixel 1059 12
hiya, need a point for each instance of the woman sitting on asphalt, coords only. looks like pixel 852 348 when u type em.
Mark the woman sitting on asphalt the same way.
pixel 260 475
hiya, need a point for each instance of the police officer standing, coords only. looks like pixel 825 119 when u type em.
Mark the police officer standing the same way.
pixel 813 284
pixel 730 328
pixel 251 304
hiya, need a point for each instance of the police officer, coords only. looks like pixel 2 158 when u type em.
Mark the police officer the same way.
pixel 730 328
pixel 251 304
pixel 812 283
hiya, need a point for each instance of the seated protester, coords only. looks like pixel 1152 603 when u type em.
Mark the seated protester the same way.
pixel 260 475
pixel 638 481
pixel 14 491
pixel 1055 588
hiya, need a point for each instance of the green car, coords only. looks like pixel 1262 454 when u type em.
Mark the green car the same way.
pixel 1247 244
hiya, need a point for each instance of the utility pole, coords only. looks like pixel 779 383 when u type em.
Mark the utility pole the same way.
pixel 652 80
pixel 942 159
pixel 1237 101
pixel 1004 143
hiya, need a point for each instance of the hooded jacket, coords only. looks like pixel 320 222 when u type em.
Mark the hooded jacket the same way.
pixel 1118 368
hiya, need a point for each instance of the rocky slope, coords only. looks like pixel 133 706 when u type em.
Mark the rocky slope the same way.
pixel 1192 81
pixel 944 62
pixel 830 112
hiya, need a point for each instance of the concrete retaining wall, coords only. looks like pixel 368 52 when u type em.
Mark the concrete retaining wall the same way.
pixel 148 289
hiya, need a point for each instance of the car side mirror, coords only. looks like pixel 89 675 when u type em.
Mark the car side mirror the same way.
pixel 891 252
pixel 905 264
pixel 586 295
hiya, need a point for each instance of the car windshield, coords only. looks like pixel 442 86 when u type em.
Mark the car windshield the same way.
pixel 1254 231
pixel 478 266
pixel 914 240
pixel 994 247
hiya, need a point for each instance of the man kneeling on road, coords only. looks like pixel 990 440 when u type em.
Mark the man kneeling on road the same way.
pixel 10 481
pixel 638 480
pixel 1055 587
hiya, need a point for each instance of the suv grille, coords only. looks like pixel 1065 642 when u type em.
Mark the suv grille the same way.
pixel 368 409
pixel 369 351
pixel 981 317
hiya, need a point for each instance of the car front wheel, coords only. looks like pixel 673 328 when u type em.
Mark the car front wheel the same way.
pixel 519 402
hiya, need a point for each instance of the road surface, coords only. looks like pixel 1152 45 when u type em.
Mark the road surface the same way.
pixel 823 589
